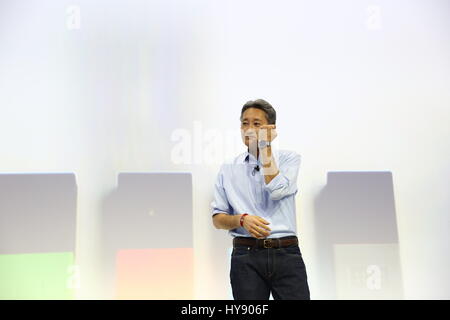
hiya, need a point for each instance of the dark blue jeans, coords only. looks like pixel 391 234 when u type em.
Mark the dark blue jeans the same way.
pixel 255 273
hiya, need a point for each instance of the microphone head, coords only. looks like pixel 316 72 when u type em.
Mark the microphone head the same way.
pixel 256 168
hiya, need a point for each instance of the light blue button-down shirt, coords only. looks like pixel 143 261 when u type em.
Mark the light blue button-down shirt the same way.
pixel 239 188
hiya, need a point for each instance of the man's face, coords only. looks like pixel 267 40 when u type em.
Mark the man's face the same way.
pixel 252 119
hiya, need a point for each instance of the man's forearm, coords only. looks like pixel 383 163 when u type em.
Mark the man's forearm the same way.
pixel 226 221
pixel 270 169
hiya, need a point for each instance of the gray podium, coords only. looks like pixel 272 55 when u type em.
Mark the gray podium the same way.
pixel 357 238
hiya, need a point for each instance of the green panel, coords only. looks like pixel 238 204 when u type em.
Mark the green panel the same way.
pixel 36 276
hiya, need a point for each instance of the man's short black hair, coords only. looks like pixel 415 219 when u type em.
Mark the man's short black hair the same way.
pixel 271 114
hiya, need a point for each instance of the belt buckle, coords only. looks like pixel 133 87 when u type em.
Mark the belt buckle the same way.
pixel 268 244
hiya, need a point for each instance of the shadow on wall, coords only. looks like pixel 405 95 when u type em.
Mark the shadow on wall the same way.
pixel 147 237
pixel 37 235
pixel 357 239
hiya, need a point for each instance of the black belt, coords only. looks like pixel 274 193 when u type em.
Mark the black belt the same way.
pixel 265 243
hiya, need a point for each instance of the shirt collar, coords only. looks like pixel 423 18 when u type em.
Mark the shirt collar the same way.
pixel 248 157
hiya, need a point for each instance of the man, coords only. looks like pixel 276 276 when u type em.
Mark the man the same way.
pixel 254 198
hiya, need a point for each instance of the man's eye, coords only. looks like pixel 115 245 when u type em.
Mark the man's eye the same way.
pixel 257 124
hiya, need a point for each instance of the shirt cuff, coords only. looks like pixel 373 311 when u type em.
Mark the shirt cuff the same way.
pixel 277 183
pixel 216 211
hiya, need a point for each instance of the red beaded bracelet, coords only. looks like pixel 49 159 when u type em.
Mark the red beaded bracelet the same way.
pixel 242 219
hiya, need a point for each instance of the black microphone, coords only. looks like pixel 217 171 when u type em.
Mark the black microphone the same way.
pixel 255 169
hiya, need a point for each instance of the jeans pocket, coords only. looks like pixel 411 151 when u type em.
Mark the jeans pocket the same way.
pixel 240 252
pixel 294 250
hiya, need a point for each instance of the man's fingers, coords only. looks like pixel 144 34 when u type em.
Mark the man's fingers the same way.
pixel 255 233
pixel 268 126
pixel 263 226
pixel 260 231
pixel 258 235
pixel 258 227
pixel 263 221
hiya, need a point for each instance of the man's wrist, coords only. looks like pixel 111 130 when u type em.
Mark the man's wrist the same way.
pixel 266 156
pixel 263 144
pixel 238 221
pixel 241 219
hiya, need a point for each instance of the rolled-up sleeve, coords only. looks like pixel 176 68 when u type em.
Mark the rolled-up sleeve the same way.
pixel 285 183
pixel 220 203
